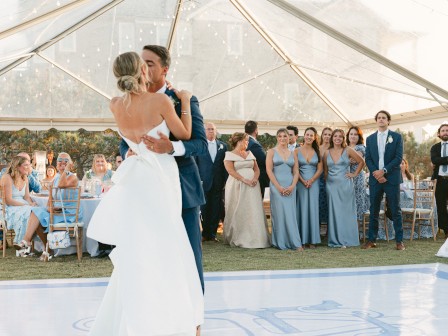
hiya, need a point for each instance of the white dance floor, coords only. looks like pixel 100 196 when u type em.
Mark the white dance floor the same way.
pixel 399 300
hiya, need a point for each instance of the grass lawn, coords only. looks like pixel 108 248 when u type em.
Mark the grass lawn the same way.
pixel 220 257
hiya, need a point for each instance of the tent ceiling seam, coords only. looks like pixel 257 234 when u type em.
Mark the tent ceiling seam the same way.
pixel 301 15
pixel 174 25
pixel 287 59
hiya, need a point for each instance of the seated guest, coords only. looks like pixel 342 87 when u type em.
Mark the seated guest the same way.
pixel 40 217
pixel 408 178
pixel 283 171
pixel 99 169
pixel 17 196
pixel 245 224
pixel 118 160
pixel 33 175
pixel 49 177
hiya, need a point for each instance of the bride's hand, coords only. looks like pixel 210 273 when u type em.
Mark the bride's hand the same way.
pixel 183 95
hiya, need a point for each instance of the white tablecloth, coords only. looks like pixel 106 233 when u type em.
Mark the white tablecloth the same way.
pixel 88 208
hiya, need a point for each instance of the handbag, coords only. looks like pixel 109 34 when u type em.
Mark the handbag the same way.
pixel 59 239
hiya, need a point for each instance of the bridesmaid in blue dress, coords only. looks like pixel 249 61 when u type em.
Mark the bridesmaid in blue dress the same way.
pixel 283 172
pixel 323 204
pixel 342 223
pixel 355 140
pixel 310 168
pixel 17 197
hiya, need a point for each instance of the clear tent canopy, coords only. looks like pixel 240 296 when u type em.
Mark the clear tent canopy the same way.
pixel 302 62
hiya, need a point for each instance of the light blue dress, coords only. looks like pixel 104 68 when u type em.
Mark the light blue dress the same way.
pixel 285 232
pixel 342 223
pixel 17 216
pixel 308 202
pixel 44 216
pixel 361 197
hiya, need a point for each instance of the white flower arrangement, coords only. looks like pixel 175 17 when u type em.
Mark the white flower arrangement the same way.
pixel 389 139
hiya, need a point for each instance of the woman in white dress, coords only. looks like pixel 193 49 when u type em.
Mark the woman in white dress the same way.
pixel 154 288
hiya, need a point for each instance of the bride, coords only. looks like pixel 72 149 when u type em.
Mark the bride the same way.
pixel 443 251
pixel 154 288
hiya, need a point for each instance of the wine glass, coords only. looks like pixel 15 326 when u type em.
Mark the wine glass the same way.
pixel 97 188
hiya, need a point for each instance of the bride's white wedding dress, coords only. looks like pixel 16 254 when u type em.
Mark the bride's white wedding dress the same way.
pixel 443 251
pixel 154 288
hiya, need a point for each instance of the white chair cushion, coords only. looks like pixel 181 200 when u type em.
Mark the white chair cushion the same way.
pixel 407 210
pixel 70 225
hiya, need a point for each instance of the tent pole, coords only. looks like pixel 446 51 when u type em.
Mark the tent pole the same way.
pixel 174 25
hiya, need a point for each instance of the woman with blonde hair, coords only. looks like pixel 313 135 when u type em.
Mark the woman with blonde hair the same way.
pixel 342 223
pixel 245 223
pixel 153 290
pixel 17 197
pixel 99 169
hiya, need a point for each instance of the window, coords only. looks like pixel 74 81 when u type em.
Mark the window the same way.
pixel 234 40
pixel 126 37
pixel 236 100
pixel 68 43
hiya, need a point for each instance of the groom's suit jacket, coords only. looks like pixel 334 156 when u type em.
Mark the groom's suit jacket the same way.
pixel 393 155
pixel 213 174
pixel 192 193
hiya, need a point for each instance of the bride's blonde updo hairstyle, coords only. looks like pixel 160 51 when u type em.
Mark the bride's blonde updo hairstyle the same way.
pixel 128 71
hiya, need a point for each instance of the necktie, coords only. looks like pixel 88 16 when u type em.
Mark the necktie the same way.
pixel 212 150
pixel 445 167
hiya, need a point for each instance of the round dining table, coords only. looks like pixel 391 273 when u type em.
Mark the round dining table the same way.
pixel 88 205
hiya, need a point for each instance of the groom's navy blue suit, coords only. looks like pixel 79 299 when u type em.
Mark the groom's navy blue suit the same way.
pixel 393 154
pixel 192 194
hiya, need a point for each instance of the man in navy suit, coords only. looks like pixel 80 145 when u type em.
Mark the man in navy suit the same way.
pixel 214 177
pixel 439 158
pixel 384 152
pixel 254 146
pixel 293 132
pixel 158 60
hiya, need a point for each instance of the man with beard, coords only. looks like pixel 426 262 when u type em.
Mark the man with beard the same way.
pixel 439 158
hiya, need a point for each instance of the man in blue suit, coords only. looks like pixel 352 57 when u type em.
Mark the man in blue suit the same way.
pixel 214 177
pixel 384 152
pixel 257 150
pixel 158 60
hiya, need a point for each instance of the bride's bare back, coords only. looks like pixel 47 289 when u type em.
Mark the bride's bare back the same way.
pixel 146 111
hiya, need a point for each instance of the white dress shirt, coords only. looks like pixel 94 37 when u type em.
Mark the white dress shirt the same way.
pixel 443 153
pixel 292 147
pixel 212 149
pixel 382 140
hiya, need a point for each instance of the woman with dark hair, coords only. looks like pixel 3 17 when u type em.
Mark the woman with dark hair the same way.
pixel 355 140
pixel 310 167
pixel 282 169
pixel 245 224
pixel 342 223
pixel 323 204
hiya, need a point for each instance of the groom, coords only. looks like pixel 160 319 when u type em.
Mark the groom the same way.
pixel 384 152
pixel 158 60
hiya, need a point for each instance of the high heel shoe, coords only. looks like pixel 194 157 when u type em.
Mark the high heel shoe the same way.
pixel 22 249
pixel 45 256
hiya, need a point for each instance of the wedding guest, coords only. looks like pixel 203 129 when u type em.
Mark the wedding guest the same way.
pixel 40 216
pixel 439 159
pixel 251 128
pixel 323 204
pixel 384 153
pixel 17 196
pixel 342 223
pixel 99 169
pixel 282 169
pixel 245 224
pixel 50 157
pixel 50 173
pixel 406 175
pixel 310 169
pixel 213 176
pixel 118 160
pixel 355 140
pixel 293 133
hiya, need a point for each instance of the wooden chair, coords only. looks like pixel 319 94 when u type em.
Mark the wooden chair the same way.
pixel 424 196
pixel 3 227
pixel 366 218
pixel 67 199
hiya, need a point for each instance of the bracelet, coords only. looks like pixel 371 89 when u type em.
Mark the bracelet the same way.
pixel 184 112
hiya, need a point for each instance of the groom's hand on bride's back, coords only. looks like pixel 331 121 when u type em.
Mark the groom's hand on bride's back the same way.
pixel 160 146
